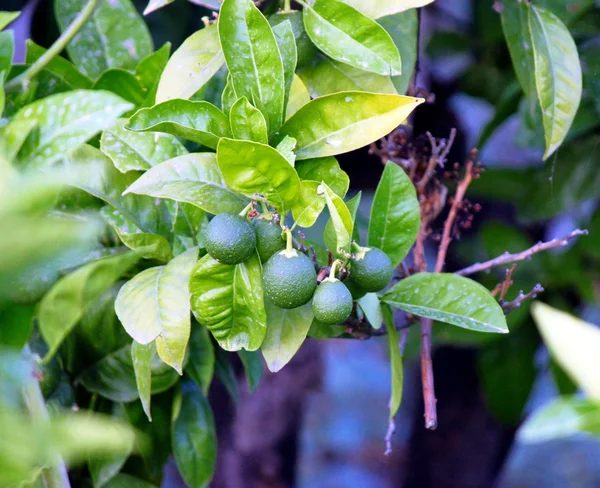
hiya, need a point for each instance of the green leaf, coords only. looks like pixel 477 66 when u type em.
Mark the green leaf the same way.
pixel 325 76
pixel 149 70
pixel 7 49
pixel 146 245
pixel 329 233
pixel 7 17
pixel 573 343
pixel 299 97
pixel 247 122
pixel 253 58
pixel 201 363
pixel 64 122
pixel 229 300
pixel 59 66
pixel 114 37
pixel 306 50
pixel 154 5
pixel 348 36
pixel 142 356
pixel 403 27
pixel 17 324
pixel 193 178
pixel 193 436
pixel 199 122
pixel 341 220
pixel 226 375
pixel 253 368
pixel 286 331
pixel 371 307
pixel 194 63
pixel 138 150
pixel 448 298
pixel 381 8
pixel 396 364
pixel 562 418
pixel 284 35
pixel 249 168
pixel 154 305
pixel 395 214
pixel 66 302
pixel 187 223
pixel 327 170
pixel 121 83
pixel 229 96
pixel 113 377
pixel 310 206
pixel 286 149
pixel 127 481
pixel 557 75
pixel 339 123
pixel 104 181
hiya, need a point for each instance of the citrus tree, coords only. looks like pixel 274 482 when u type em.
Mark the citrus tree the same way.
pixel 169 197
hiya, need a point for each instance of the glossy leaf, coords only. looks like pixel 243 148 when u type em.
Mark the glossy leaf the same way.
pixel 7 17
pixel 142 356
pixel 381 8
pixel 149 70
pixel 395 214
pixel 193 436
pixel 448 298
pixel 199 122
pixel 121 83
pixel 286 332
pixel 329 232
pixel 146 245
pixel 557 75
pixel 348 36
pixel 305 48
pixel 253 58
pixel 113 377
pixel 249 168
pixel 253 368
pixel 115 36
pixel 396 363
pixel 154 305
pixel 403 27
pixel 310 206
pixel 229 96
pixel 325 76
pixel 138 150
pixel 226 375
pixel 229 301
pixel 286 149
pixel 201 362
pixel 59 66
pixel 341 220
pixel 284 35
pixel 247 122
pixel 299 97
pixel 154 5
pixel 370 306
pixel 573 343
pixel 339 123
pixel 194 179
pixel 194 63
pixel 66 302
pixel 64 122
pixel 562 418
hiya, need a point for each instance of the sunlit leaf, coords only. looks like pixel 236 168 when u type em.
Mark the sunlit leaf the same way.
pixel 247 122
pixel 380 8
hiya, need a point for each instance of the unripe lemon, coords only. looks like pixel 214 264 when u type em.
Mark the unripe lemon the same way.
pixel 356 291
pixel 332 302
pixel 289 279
pixel 268 239
pixel 371 269
pixel 229 238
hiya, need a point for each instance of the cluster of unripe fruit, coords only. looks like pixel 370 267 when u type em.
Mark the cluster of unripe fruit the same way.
pixel 289 276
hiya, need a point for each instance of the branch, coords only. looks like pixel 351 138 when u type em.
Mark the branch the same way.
pixel 516 303
pixel 438 156
pixel 59 45
pixel 449 224
pixel 507 258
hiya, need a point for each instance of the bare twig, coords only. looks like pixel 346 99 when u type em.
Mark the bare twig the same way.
pixel 439 153
pixel 449 224
pixel 521 256
pixel 507 282
pixel 521 297
pixel 388 436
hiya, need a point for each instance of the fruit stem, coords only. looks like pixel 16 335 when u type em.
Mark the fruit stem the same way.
pixel 356 246
pixel 244 212
pixel 290 240
pixel 334 266
pixel 287 5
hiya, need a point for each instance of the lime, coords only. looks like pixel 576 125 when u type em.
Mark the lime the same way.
pixel 268 238
pixel 332 302
pixel 289 279
pixel 230 238
pixel 371 269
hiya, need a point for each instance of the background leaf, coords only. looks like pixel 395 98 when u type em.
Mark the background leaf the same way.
pixel 201 363
pixel 286 331
pixel 448 298
pixel 253 368
pixel 380 8
pixel 371 307
pixel 114 37
pixel 142 356
pixel 191 66
pixel 284 35
pixel 229 301
pixel 59 66
pixel 396 363
pixel 395 214
pixel 339 123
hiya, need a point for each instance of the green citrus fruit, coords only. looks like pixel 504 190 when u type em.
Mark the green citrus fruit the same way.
pixel 332 302
pixel 356 291
pixel 289 279
pixel 268 239
pixel 230 238
pixel 371 269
